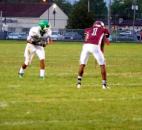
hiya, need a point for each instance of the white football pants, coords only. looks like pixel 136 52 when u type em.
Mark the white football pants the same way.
pixel 31 50
pixel 93 49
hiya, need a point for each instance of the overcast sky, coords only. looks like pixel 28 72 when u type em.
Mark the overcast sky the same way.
pixel 72 1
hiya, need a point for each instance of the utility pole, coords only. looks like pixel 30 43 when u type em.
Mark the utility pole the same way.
pixel 5 11
pixel 134 8
pixel 0 20
pixel 54 12
pixel 109 15
pixel 88 6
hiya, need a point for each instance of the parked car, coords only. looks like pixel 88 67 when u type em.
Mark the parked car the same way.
pixel 126 33
pixel 23 36
pixel 72 36
pixel 13 36
pixel 127 37
pixel 56 35
pixel 16 36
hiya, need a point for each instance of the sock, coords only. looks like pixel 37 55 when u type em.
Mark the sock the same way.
pixel 104 82
pixel 79 78
pixel 42 73
pixel 21 71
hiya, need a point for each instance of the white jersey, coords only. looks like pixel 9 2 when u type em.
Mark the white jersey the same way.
pixel 36 32
pixel 36 44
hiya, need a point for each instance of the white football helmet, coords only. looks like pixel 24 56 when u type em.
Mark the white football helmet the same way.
pixel 99 23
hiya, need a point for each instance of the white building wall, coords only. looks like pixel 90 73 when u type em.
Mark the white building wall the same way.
pixel 22 23
pixel 57 22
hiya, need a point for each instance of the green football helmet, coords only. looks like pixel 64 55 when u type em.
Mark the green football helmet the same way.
pixel 43 24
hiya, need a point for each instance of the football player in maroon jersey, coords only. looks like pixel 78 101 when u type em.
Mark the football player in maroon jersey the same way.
pixel 93 44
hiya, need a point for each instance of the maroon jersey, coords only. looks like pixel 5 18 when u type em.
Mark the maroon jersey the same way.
pixel 95 34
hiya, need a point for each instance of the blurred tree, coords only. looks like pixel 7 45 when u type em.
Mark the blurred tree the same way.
pixel 123 8
pixel 64 5
pixel 81 18
pixel 24 1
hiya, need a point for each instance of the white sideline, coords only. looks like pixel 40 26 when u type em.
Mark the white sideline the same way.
pixel 5 104
pixel 25 122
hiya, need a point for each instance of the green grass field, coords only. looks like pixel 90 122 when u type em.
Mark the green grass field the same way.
pixel 56 104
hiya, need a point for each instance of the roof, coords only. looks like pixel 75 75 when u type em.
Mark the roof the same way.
pixel 130 23
pixel 24 10
pixel 127 22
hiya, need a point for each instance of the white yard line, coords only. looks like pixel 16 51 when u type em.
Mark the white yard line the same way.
pixel 3 104
pixel 114 84
pixel 14 86
pixel 27 122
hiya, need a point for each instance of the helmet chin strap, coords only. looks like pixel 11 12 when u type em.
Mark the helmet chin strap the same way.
pixel 42 31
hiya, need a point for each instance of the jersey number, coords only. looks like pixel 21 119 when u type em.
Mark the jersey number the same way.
pixel 94 33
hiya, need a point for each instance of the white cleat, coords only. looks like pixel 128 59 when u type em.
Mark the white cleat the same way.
pixel 104 87
pixel 42 77
pixel 78 85
pixel 20 75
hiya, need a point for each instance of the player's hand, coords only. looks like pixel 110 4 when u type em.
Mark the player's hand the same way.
pixel 36 38
pixel 50 41
pixel 106 40
pixel 44 45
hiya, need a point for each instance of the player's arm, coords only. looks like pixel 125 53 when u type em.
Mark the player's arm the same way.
pixel 45 41
pixel 48 36
pixel 33 37
pixel 86 36
pixel 103 44
pixel 107 34
pixel 105 39
pixel 49 40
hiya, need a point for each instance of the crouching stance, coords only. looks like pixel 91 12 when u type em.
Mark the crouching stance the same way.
pixel 37 39
pixel 92 45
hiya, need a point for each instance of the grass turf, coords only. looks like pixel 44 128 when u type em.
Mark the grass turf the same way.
pixel 56 104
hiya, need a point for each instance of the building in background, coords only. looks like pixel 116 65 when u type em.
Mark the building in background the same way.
pixel 20 17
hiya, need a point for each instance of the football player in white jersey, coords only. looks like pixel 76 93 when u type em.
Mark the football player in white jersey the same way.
pixel 38 38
